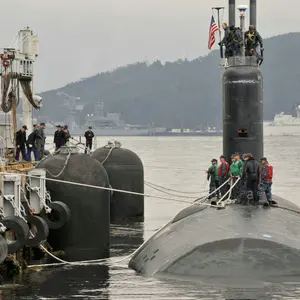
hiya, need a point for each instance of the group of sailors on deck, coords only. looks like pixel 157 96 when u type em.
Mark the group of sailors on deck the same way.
pixel 36 140
pixel 234 41
pixel 254 179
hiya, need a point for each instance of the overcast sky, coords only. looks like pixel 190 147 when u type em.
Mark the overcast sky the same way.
pixel 81 38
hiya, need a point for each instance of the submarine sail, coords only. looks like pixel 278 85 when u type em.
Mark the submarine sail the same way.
pixel 243 107
pixel 233 240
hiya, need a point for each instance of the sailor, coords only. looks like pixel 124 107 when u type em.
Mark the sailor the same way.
pixel 251 175
pixel 212 174
pixel 252 39
pixel 266 178
pixel 31 145
pixel 40 139
pixel 89 135
pixel 235 172
pixel 223 174
pixel 67 133
pixel 226 41
pixel 236 38
pixel 59 138
pixel 20 143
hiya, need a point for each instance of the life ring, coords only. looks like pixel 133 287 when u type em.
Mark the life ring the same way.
pixel 21 230
pixel 59 215
pixel 5 63
pixel 42 230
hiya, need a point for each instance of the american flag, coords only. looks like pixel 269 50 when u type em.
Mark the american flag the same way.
pixel 213 28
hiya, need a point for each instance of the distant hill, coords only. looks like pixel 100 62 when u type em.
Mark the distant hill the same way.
pixel 183 92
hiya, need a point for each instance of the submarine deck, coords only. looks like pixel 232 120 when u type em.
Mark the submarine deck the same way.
pixel 240 239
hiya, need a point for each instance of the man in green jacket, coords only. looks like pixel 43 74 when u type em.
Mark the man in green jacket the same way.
pixel 212 174
pixel 235 172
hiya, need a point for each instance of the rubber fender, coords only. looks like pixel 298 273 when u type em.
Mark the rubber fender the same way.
pixel 3 249
pixel 59 217
pixel 21 230
pixel 42 230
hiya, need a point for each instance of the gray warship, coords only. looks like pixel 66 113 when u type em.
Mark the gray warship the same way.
pixel 225 239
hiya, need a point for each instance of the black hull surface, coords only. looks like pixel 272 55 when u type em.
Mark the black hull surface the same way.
pixel 238 241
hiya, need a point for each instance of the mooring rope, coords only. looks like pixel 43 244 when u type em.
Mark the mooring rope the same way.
pixel 171 190
pixel 168 193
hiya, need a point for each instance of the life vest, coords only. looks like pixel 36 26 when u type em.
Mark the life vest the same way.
pixel 226 169
pixel 251 36
pixel 269 176
pixel 236 35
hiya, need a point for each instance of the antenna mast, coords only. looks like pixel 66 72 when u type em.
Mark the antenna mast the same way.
pixel 218 8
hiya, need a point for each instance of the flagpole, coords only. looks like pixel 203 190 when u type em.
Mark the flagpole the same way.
pixel 219 25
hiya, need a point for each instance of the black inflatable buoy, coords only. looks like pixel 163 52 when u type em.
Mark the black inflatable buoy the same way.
pixel 21 230
pixel 86 234
pixel 40 232
pixel 126 172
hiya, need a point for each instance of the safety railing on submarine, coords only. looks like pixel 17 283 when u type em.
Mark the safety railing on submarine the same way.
pixel 239 61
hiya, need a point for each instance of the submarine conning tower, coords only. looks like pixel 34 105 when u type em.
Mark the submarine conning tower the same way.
pixel 242 84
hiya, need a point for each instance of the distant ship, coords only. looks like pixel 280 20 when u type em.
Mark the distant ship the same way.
pixel 111 124
pixel 284 124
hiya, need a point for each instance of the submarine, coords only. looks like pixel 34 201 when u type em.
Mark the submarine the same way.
pixel 237 241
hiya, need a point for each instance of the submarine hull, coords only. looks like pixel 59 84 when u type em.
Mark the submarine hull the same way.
pixel 238 241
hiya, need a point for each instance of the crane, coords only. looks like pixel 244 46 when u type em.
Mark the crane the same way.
pixel 71 103
pixel 17 75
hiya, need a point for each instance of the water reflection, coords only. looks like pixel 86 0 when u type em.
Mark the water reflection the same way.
pixel 126 236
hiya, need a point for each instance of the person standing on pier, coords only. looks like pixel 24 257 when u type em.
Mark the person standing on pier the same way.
pixel 67 133
pixel 31 145
pixel 59 138
pixel 89 135
pixel 40 139
pixel 21 142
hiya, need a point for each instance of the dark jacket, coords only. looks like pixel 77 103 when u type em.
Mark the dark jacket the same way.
pixel 59 138
pixel 253 39
pixel 40 135
pixel 226 39
pixel 67 135
pixel 251 169
pixel 89 135
pixel 31 139
pixel 21 138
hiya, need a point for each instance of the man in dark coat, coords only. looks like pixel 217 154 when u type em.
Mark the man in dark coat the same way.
pixel 21 142
pixel 89 135
pixel 59 138
pixel 251 175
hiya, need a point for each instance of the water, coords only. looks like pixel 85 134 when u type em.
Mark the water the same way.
pixel 177 163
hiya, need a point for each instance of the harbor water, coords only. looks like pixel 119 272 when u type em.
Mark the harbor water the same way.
pixel 177 163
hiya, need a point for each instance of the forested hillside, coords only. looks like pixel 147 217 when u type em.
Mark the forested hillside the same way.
pixel 183 92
